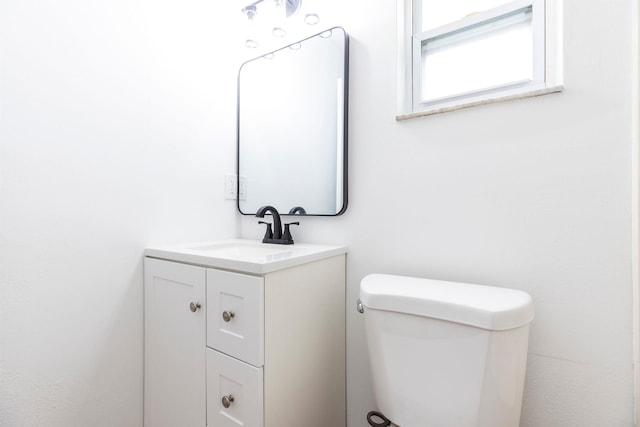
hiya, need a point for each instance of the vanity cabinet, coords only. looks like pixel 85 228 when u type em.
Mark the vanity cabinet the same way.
pixel 228 348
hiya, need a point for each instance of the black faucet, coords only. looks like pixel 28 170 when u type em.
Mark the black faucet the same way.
pixel 275 235
pixel 277 224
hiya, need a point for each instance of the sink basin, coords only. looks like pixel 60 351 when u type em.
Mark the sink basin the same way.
pixel 242 250
pixel 246 256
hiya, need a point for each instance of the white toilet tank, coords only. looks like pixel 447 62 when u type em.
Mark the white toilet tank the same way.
pixel 446 354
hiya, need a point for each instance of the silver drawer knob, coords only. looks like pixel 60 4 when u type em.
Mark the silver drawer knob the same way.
pixel 228 315
pixel 227 400
pixel 194 306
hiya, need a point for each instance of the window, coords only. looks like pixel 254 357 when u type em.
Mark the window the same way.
pixel 457 53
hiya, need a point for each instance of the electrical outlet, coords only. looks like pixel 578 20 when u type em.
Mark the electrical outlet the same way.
pixel 230 184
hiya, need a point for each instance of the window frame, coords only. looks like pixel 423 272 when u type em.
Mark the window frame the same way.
pixel 546 57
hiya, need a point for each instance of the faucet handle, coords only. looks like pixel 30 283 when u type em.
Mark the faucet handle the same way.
pixel 286 236
pixel 269 233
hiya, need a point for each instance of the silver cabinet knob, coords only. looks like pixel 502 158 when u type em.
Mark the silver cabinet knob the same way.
pixel 194 306
pixel 227 400
pixel 228 315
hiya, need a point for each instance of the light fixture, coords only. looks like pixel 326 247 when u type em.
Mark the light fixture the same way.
pixel 272 15
pixel 250 11
pixel 291 7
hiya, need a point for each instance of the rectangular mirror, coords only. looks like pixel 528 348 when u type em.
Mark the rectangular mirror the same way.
pixel 292 127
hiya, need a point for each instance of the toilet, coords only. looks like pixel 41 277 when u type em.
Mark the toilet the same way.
pixel 446 354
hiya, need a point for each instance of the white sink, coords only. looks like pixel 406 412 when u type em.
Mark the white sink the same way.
pixel 245 255
pixel 243 250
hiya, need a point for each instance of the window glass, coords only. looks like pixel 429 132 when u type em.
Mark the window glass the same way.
pixel 435 13
pixel 489 55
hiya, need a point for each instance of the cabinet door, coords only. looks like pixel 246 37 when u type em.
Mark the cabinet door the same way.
pixel 234 392
pixel 175 339
pixel 235 317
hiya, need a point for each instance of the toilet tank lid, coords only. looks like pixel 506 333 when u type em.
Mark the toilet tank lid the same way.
pixel 481 306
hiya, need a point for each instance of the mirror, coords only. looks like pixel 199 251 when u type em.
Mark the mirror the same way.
pixel 292 128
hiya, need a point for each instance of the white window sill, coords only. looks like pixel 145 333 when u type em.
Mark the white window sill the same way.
pixel 468 104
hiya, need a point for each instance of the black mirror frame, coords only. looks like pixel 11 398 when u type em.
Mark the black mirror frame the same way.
pixel 345 127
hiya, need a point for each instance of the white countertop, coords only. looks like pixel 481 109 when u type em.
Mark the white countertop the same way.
pixel 247 256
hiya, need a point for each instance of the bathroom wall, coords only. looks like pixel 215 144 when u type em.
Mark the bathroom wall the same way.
pixel 109 141
pixel 117 125
pixel 532 194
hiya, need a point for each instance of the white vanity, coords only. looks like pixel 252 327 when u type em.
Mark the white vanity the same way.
pixel 239 333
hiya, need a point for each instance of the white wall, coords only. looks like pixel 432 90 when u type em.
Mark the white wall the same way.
pixel 532 195
pixel 117 125
pixel 108 142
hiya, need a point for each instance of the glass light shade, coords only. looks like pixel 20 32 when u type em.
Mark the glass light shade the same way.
pixel 278 32
pixel 311 18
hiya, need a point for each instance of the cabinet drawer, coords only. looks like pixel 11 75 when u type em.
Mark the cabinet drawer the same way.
pixel 235 315
pixel 234 392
